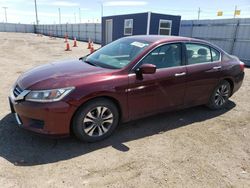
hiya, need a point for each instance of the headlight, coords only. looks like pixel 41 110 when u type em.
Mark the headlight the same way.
pixel 52 95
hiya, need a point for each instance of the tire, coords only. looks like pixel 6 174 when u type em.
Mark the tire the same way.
pixel 220 96
pixel 95 120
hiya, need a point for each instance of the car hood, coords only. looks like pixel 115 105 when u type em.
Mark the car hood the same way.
pixel 59 75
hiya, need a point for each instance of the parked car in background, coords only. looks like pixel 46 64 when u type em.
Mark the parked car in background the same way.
pixel 130 78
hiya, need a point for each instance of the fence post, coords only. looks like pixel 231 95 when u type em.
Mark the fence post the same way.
pixel 87 32
pixel 79 32
pixel 95 32
pixel 235 36
pixel 66 28
pixel 192 29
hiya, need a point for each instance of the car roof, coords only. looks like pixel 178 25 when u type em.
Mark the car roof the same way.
pixel 162 39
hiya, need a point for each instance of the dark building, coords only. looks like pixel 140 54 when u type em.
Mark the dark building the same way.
pixel 115 27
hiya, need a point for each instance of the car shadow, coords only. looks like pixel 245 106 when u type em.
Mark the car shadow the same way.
pixel 22 148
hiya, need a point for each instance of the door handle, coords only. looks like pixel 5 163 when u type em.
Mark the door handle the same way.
pixel 216 68
pixel 180 74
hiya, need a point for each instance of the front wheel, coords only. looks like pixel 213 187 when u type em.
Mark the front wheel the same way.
pixel 220 96
pixel 95 120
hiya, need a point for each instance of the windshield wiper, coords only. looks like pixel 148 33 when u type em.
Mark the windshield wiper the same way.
pixel 90 63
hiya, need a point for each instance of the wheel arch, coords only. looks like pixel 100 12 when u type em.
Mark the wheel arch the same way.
pixel 112 99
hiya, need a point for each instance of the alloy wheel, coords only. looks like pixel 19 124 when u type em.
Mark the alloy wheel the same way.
pixel 98 121
pixel 222 95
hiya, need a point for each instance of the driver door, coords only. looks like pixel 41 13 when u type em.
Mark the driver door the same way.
pixel 163 90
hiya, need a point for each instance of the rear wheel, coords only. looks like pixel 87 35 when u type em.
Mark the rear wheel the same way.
pixel 95 120
pixel 220 96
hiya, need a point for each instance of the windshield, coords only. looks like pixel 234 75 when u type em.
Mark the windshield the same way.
pixel 117 54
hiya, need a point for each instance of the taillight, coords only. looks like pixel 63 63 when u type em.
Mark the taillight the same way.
pixel 242 66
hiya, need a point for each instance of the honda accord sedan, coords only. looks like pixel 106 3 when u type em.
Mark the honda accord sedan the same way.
pixel 130 78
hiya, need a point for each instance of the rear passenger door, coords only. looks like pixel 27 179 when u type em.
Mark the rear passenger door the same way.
pixel 203 72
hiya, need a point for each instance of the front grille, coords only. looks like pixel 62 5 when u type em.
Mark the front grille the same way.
pixel 17 90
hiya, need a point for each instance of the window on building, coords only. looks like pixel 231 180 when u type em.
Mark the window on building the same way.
pixel 128 27
pixel 165 27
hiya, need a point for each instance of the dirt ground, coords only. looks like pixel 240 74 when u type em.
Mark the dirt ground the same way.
pixel 190 148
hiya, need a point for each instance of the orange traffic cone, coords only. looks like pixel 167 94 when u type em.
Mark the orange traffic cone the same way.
pixel 66 38
pixel 92 49
pixel 67 47
pixel 75 42
pixel 89 44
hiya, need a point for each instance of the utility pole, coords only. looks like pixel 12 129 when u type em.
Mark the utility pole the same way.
pixel 80 19
pixel 37 22
pixel 235 11
pixel 101 9
pixel 199 13
pixel 75 16
pixel 59 12
pixel 5 12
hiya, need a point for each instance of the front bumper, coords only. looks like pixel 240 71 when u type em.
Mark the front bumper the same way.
pixel 51 119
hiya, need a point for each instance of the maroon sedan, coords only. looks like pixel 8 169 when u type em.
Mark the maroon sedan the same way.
pixel 128 79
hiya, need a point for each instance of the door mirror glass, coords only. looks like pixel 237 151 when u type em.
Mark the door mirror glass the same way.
pixel 147 69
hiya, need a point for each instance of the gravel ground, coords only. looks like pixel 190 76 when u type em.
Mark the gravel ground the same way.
pixel 190 148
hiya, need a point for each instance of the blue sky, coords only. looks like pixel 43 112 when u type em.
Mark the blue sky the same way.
pixel 22 11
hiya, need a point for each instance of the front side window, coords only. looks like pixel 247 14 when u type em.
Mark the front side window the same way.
pixel 165 27
pixel 165 56
pixel 198 53
pixel 117 54
pixel 128 27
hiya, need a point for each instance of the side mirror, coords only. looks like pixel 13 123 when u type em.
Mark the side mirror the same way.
pixel 147 69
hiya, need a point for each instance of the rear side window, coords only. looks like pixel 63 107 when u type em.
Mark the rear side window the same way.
pixel 215 54
pixel 198 53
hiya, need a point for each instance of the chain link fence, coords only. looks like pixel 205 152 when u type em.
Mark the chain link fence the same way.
pixel 81 31
pixel 232 35
pixel 18 28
